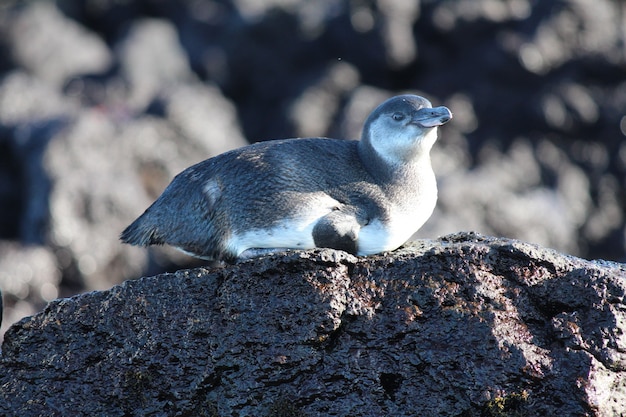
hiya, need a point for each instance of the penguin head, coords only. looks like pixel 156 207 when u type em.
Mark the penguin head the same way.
pixel 403 128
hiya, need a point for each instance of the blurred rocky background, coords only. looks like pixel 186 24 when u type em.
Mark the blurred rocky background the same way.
pixel 102 102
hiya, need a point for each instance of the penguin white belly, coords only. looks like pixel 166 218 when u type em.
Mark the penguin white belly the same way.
pixel 294 232
pixel 378 236
pixel 290 234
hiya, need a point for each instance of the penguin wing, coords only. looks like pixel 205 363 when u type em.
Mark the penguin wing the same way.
pixel 337 230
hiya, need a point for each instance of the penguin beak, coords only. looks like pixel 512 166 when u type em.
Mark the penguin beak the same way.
pixel 432 117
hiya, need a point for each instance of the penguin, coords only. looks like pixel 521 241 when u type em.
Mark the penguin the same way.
pixel 361 196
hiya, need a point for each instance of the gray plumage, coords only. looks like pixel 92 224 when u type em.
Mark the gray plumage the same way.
pixel 358 196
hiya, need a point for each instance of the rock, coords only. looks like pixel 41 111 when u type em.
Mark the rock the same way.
pixel 536 150
pixel 152 58
pixel 57 48
pixel 202 114
pixel 313 113
pixel 465 325
pixel 86 173
pixel 32 114
pixel 26 99
pixel 29 278
pixel 509 195
pixel 398 20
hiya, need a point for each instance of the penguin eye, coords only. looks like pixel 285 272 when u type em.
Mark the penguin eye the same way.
pixel 397 116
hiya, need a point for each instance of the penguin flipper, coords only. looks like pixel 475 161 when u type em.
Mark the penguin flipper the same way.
pixel 337 230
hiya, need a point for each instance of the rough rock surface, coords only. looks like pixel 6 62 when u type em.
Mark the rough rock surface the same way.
pixel 26 281
pixel 103 102
pixel 463 326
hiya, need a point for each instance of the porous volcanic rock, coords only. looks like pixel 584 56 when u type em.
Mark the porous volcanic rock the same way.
pixel 464 325
pixel 103 102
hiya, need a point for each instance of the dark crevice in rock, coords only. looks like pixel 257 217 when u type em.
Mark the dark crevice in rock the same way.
pixel 390 382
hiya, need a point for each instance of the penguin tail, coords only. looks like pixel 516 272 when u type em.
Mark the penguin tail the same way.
pixel 141 233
